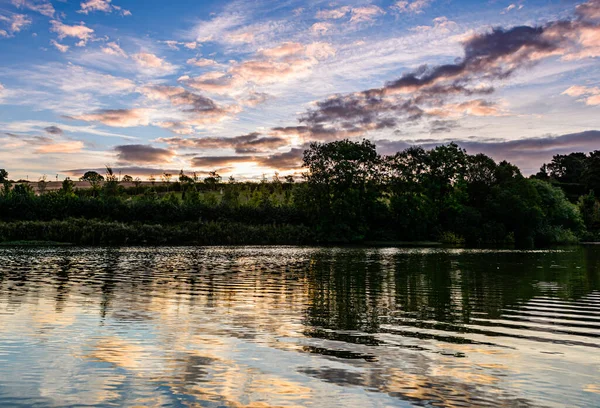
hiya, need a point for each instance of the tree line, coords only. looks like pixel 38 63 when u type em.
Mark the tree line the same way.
pixel 349 193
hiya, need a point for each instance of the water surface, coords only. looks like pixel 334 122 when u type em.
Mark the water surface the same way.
pixel 287 326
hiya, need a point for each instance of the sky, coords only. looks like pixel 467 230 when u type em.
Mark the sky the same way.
pixel 242 87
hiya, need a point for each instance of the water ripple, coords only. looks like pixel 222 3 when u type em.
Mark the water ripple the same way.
pixel 290 326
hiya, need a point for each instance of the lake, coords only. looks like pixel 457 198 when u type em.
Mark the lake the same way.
pixel 299 326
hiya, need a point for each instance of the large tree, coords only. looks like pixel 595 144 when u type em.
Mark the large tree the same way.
pixel 567 168
pixel 343 179
pixel 92 177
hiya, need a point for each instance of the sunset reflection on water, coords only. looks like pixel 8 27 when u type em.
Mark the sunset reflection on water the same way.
pixel 286 326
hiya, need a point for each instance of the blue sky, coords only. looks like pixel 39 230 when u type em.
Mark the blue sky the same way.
pixel 243 86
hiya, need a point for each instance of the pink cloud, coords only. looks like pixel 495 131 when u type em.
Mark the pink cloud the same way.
pixel 105 6
pixel 365 14
pixel 81 32
pixel 333 14
pixel 118 117
pixel 60 147
pixel 413 7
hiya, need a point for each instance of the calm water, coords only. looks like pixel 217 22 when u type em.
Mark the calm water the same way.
pixel 285 326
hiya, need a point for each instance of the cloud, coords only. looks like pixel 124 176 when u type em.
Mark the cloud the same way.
pixel 198 110
pixel 174 45
pixel 250 143
pixel 14 22
pixel 34 126
pixel 178 96
pixel 112 48
pixel 283 62
pixel 320 28
pixel 72 146
pixel 45 144
pixel 101 5
pixel 589 12
pixel 213 82
pixel 284 161
pixel 153 65
pixel 117 117
pixel 442 126
pixel 289 160
pixel 54 130
pixel 412 7
pixel 217 28
pixel 202 62
pixel 333 14
pixel 476 107
pixel 286 49
pixel 241 37
pixel 81 32
pixel 440 24
pixel 254 98
pixel 447 90
pixel 365 14
pixel 143 154
pixel 592 95
pixel 67 89
pixel 148 60
pixel 357 14
pixel 43 7
pixel 220 161
pixel 59 46
pixel 76 79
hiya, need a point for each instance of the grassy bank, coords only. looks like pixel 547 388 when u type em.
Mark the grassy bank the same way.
pixel 96 232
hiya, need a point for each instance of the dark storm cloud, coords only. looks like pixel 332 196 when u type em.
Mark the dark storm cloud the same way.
pixel 143 154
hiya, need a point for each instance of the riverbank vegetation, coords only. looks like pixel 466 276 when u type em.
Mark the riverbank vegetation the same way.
pixel 348 194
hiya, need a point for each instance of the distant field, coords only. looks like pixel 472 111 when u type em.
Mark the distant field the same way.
pixel 83 185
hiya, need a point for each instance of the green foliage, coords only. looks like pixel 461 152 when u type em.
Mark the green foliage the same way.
pixel 589 207
pixel 91 177
pixel 349 194
pixel 448 237
pixel 98 232
pixel 342 188
pixel 213 179
pixel 94 179
pixel 68 187
pixel 575 173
